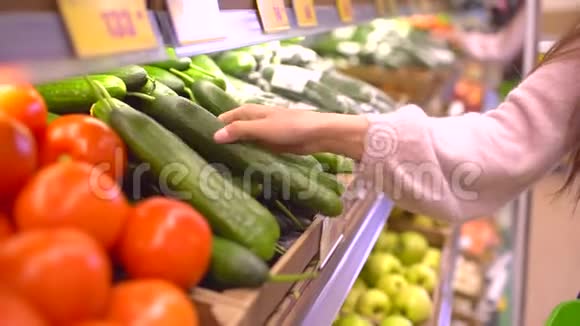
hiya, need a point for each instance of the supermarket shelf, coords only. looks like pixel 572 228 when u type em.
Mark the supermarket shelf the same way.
pixel 47 54
pixel 321 299
pixel 243 28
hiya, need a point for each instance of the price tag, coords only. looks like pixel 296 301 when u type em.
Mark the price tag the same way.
pixel 107 26
pixel 273 15
pixel 196 21
pixel 305 13
pixel 380 5
pixel 345 10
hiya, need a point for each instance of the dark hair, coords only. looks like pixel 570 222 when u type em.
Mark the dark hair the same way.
pixel 562 50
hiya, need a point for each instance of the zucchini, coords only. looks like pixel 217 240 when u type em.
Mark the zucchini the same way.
pixel 233 266
pixel 237 63
pixel 197 126
pixel 170 80
pixel 213 98
pixel 133 76
pixel 75 95
pixel 231 212
pixel 177 63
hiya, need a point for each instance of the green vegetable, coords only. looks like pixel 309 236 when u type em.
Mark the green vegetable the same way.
pixel 170 80
pixel 237 63
pixel 233 266
pixel 51 117
pixel 133 76
pixel 231 212
pixel 178 64
pixel 353 88
pixel 75 95
pixel 333 163
pixel 197 126
pixel 328 99
pixel 307 161
pixel 197 74
pixel 207 64
pixel 162 90
pixel 253 188
pixel 148 88
pixel 213 98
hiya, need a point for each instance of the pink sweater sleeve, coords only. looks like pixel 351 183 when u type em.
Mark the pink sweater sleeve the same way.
pixel 502 46
pixel 464 167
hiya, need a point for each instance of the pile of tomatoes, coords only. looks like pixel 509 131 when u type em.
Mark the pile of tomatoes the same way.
pixel 66 227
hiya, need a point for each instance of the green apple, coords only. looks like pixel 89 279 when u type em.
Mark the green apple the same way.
pixel 414 303
pixel 359 283
pixel 423 276
pixel 412 247
pixel 388 241
pixel 349 304
pixel 423 221
pixel 432 259
pixel 392 284
pixel 351 320
pixel 374 304
pixel 396 320
pixel 379 264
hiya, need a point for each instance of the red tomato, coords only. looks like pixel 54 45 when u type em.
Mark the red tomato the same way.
pixel 14 311
pixel 150 303
pixel 6 227
pixel 25 104
pixel 76 195
pixel 63 273
pixel 98 323
pixel 166 239
pixel 18 159
pixel 87 139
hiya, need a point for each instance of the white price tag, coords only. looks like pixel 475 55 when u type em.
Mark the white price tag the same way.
pixel 196 21
pixel 293 78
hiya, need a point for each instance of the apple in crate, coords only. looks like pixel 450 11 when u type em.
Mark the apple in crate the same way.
pixel 392 284
pixel 351 300
pixel 379 264
pixel 423 276
pixel 432 259
pixel 374 304
pixel 412 247
pixel 351 320
pixel 396 320
pixel 388 241
pixel 414 303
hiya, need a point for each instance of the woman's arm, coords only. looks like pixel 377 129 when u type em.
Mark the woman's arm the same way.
pixel 469 166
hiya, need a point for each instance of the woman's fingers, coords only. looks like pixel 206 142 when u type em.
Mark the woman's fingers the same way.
pixel 245 112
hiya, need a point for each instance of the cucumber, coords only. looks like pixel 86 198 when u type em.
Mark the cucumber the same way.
pixel 148 88
pixel 206 63
pixel 196 74
pixel 178 64
pixel 75 95
pixel 233 266
pixel 237 63
pixel 197 126
pixel 51 117
pixel 307 161
pixel 231 212
pixel 169 79
pixel 328 99
pixel 133 76
pixel 333 163
pixel 325 179
pixel 253 188
pixel 213 98
pixel 162 90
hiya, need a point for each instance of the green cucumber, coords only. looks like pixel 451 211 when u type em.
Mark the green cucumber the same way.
pixel 162 90
pixel 237 63
pixel 233 266
pixel 51 117
pixel 178 64
pixel 333 163
pixel 231 212
pixel 197 126
pixel 148 88
pixel 196 73
pixel 325 179
pixel 307 161
pixel 328 99
pixel 253 188
pixel 206 63
pixel 75 95
pixel 169 79
pixel 133 76
pixel 213 98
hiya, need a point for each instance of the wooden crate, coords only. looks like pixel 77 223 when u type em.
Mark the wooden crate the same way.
pixel 251 307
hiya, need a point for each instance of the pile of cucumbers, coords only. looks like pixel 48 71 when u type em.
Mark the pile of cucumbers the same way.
pixel 166 113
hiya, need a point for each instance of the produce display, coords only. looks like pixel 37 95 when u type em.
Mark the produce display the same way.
pixel 398 281
pixel 114 196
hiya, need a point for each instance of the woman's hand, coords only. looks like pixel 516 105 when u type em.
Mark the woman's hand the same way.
pixel 294 130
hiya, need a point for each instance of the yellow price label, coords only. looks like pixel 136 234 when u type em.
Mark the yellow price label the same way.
pixel 380 5
pixel 196 21
pixel 345 10
pixel 273 15
pixel 305 13
pixel 107 26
